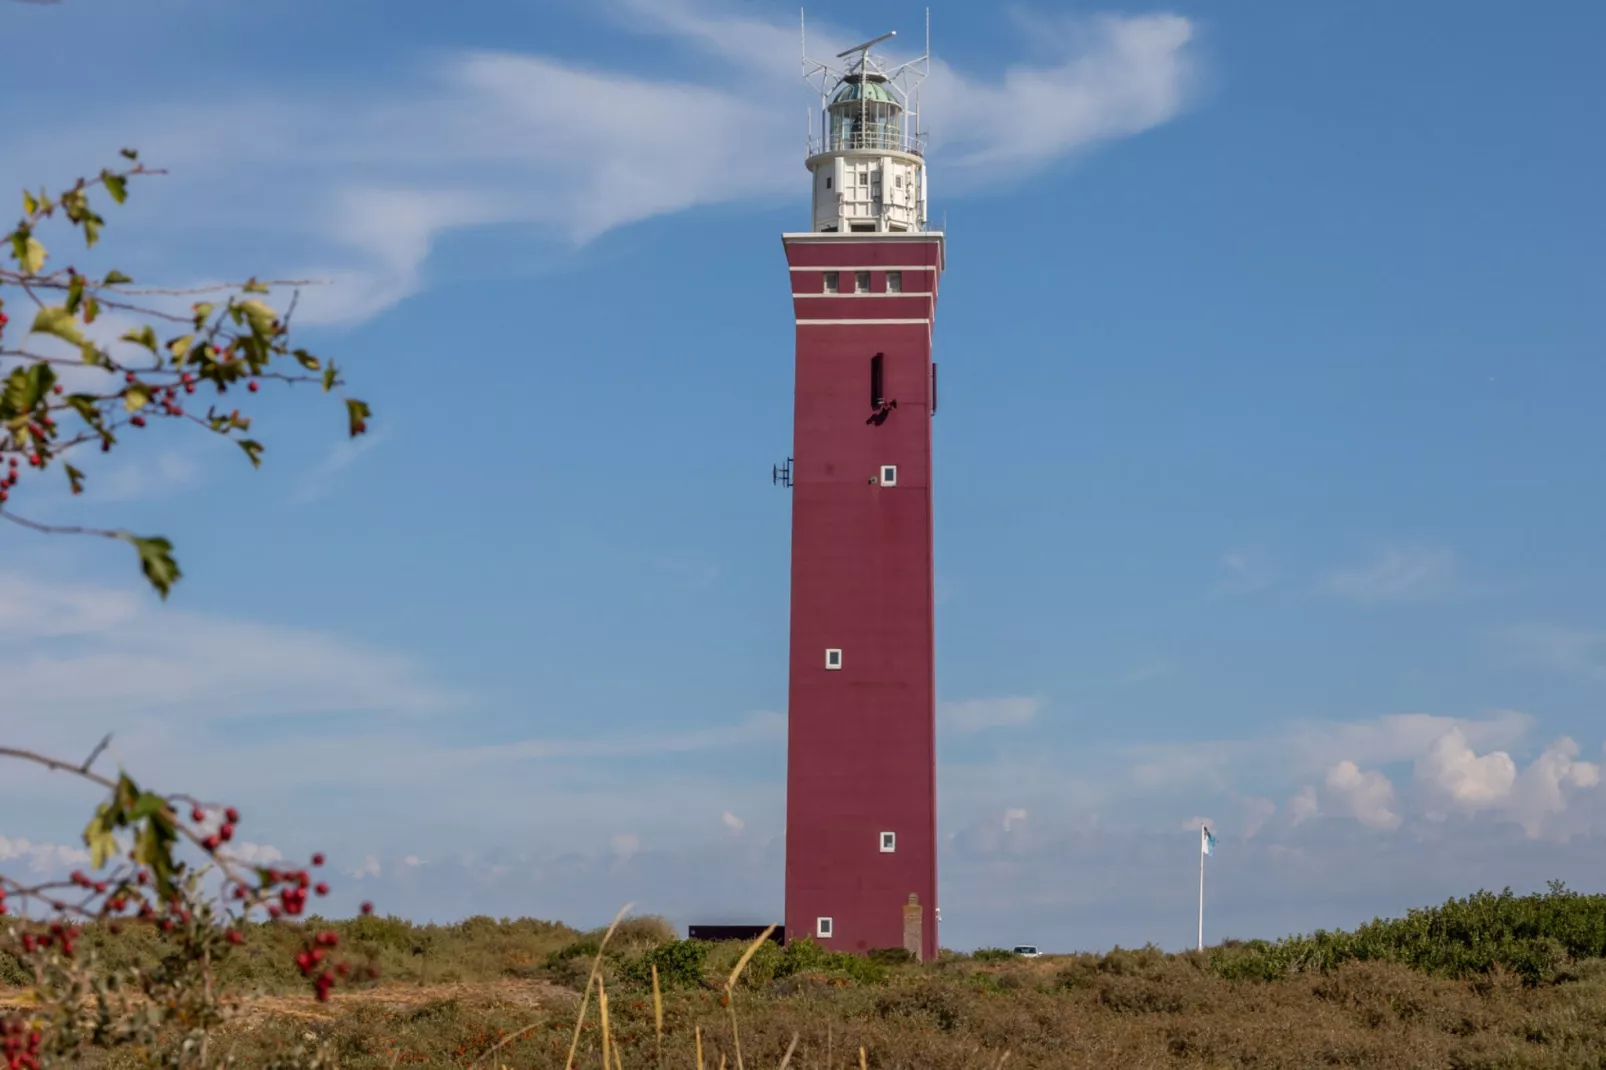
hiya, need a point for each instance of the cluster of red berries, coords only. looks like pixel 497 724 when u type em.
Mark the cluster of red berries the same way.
pixel 225 832
pixel 19 1045
pixel 60 936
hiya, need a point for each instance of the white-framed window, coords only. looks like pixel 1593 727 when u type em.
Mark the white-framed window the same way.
pixel 833 282
pixel 897 182
pixel 822 928
pixel 889 475
pixel 864 178
pixel 833 658
pixel 894 282
pixel 861 282
pixel 889 842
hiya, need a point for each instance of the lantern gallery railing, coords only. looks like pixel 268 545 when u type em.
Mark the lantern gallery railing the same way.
pixel 884 139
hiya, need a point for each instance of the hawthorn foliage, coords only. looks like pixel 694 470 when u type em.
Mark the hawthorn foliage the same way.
pixel 67 391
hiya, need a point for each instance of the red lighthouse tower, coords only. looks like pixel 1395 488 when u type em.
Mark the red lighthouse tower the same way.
pixel 861 824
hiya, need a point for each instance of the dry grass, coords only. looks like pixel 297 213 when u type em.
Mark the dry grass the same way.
pixel 523 995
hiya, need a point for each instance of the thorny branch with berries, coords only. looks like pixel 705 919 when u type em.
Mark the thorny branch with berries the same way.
pixel 63 390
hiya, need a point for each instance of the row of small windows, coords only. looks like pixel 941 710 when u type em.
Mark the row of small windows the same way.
pixel 861 282
pixel 864 180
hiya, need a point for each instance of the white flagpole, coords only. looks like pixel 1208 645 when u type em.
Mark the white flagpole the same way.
pixel 1202 835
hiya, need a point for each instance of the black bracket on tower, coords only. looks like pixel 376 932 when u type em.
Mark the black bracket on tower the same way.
pixel 782 473
pixel 880 406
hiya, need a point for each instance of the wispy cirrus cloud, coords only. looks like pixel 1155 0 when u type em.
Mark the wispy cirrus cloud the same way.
pixel 1397 574
pixel 359 195
pixel 980 714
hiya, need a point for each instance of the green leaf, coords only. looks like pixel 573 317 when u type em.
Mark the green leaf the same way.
pixel 142 336
pixel 91 353
pixel 75 294
pixel 98 838
pixel 116 185
pixel 131 154
pixel 202 310
pixel 149 804
pixel 115 278
pixel 357 415
pixel 252 450
pixel 260 315
pixel 136 397
pixel 155 560
pixel 329 375
pixel 84 406
pixel 92 225
pixel 307 360
pixel 59 321
pixel 179 346
pixel 30 203
pixel 252 286
pixel 76 478
pixel 25 388
pixel 27 252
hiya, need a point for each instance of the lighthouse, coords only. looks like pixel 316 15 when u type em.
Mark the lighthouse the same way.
pixel 861 821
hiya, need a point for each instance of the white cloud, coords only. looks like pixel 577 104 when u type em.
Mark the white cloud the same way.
pixel 318 482
pixel 124 656
pixel 732 822
pixel 1257 812
pixel 1453 773
pixel 494 138
pixel 370 869
pixel 1302 806
pixel 256 854
pixel 1013 818
pixel 1397 574
pixel 624 845
pixel 1368 797
pixel 413 862
pixel 975 715
pixel 42 858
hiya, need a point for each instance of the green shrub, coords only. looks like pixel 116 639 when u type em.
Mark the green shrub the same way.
pixel 1536 937
pixel 679 962
pixel 992 954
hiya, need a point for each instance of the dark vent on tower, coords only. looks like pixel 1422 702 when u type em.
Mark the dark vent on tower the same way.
pixel 878 396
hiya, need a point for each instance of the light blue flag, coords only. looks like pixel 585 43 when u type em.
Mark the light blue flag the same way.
pixel 1207 841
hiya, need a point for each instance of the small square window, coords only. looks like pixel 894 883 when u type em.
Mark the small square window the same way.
pixel 861 282
pixel 827 181
pixel 864 178
pixel 889 475
pixel 822 928
pixel 832 282
pixel 833 658
pixel 898 182
pixel 889 842
pixel 894 282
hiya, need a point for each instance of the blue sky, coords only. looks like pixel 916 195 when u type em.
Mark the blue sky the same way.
pixel 1267 480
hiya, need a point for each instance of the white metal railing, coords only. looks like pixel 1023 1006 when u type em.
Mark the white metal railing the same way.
pixel 884 140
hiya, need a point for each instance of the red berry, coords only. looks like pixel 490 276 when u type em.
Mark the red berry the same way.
pixel 197 815
pixel 322 889
pixel 236 937
pixel 317 859
pixel 226 833
pixel 232 816
pixel 367 908
pixel 138 421
pixel 128 377
pixel 56 388
pixel 252 386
